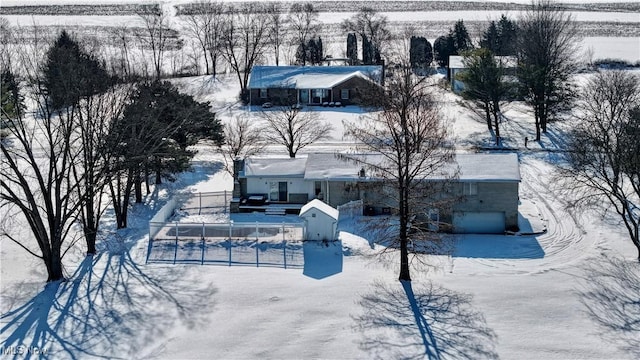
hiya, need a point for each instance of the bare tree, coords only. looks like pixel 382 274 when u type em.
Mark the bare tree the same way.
pixel 204 23
pixel 242 139
pixel 94 119
pixel 278 30
pixel 548 40
pixel 122 39
pixel 156 27
pixel 6 35
pixel 602 157
pixel 410 139
pixel 294 128
pixel 373 31
pixel 303 18
pixel 244 39
pixel 36 178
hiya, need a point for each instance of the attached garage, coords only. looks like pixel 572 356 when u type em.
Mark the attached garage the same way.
pixel 467 222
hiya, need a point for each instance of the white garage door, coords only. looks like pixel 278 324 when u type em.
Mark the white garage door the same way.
pixel 478 222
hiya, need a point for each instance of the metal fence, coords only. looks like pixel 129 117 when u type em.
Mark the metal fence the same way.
pixel 285 254
pixel 206 202
pixel 260 244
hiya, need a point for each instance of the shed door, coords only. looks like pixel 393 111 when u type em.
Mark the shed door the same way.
pixel 478 222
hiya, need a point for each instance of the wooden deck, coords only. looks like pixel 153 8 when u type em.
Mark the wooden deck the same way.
pixel 273 209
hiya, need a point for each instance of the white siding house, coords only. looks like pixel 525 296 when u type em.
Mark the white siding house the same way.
pixel 486 189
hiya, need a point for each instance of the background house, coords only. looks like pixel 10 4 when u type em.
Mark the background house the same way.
pixel 456 66
pixel 486 189
pixel 311 85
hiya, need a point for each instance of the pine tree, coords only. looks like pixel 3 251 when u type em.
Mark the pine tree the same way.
pixel 443 47
pixel 71 73
pixel 314 50
pixel 491 38
pixel 12 101
pixel 420 53
pixel 462 41
pixel 367 51
pixel 508 37
pixel 352 48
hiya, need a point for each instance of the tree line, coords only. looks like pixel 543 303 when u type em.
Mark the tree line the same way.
pixel 88 139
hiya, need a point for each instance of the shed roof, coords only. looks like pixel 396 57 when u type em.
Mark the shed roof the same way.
pixel 322 206
pixel 309 77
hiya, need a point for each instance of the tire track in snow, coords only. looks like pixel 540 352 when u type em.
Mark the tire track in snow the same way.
pixel 565 241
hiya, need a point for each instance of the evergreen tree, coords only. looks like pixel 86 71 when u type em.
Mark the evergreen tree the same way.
pixel 508 37
pixel 352 48
pixel 462 41
pixel 443 47
pixel 491 38
pixel 501 38
pixel 154 135
pixel 301 54
pixel 12 101
pixel 367 51
pixel 420 53
pixel 71 74
pixel 484 83
pixel 314 47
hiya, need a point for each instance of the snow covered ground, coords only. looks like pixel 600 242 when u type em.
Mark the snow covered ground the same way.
pixel 562 291
pixel 537 296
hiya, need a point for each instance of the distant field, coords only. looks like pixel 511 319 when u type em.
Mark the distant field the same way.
pixel 324 6
pixel 100 22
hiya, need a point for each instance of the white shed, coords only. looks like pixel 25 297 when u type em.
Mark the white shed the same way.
pixel 321 220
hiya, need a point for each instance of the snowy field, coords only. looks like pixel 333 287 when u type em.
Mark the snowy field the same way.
pixel 514 297
pixel 565 291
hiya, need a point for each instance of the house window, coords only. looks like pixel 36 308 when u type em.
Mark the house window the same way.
pixel 263 93
pixel 344 94
pixel 470 188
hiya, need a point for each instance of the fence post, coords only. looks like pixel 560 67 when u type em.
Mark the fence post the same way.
pixel 202 259
pixel 175 253
pixel 150 246
pixel 200 203
pixel 284 251
pixel 230 244
pixel 257 257
pixel 225 201
pixel 257 232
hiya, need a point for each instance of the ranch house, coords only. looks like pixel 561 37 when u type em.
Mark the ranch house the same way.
pixel 311 85
pixel 486 189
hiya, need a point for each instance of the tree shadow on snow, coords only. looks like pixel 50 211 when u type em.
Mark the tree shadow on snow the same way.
pixel 611 296
pixel 109 308
pixel 428 322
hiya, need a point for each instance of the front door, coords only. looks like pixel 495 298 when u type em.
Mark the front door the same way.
pixel 304 96
pixel 282 191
